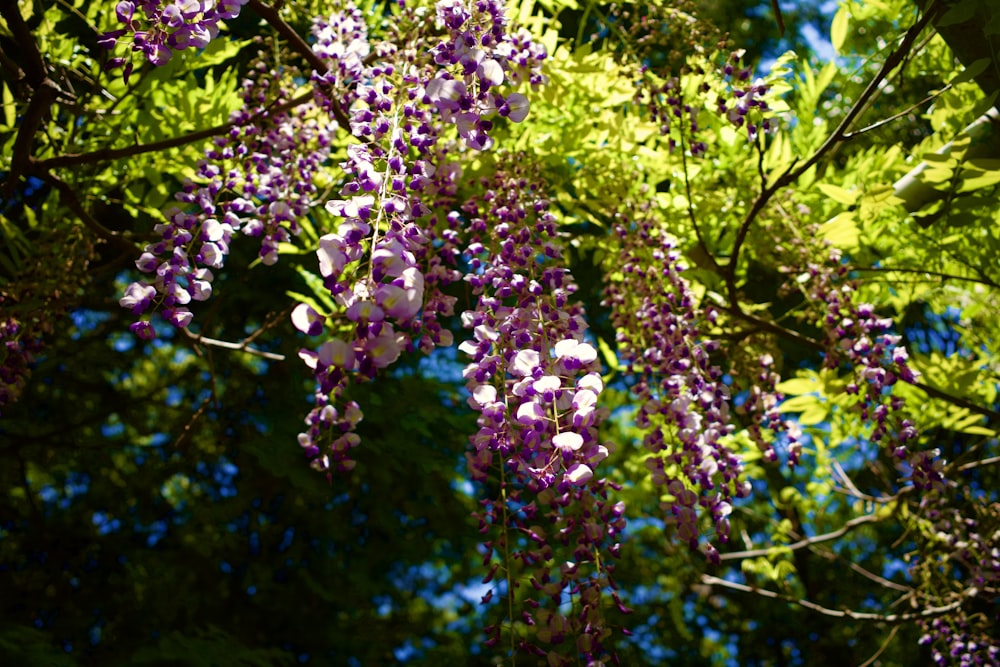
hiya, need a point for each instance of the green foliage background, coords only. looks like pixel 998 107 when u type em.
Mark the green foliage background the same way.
pixel 154 507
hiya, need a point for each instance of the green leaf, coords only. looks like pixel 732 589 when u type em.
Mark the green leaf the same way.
pixel 972 71
pixel 838 194
pixel 959 13
pixel 799 386
pixel 842 231
pixel 610 358
pixel 838 29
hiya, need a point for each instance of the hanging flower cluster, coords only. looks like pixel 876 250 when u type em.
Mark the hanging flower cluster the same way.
pixel 676 117
pixel 684 402
pixel 16 355
pixel 535 382
pixel 378 266
pixel 743 103
pixel 861 341
pixel 762 407
pixel 256 180
pixel 158 28
pixel 963 565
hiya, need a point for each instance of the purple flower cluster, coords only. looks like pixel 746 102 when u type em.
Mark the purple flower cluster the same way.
pixel 475 58
pixel 380 266
pixel 962 562
pixel 861 341
pixel 954 642
pixel 160 27
pixel 16 356
pixel 668 108
pixel 256 180
pixel 533 379
pixel 744 104
pixel 535 382
pixel 763 407
pixel 684 403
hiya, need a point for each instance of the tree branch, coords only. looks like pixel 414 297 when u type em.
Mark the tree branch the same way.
pixel 904 112
pixel 805 542
pixel 271 15
pixel 883 647
pixel 242 346
pixel 792 173
pixel 835 613
pixel 108 154
pixel 73 203
pixel 38 108
pixel 34 65
pixel 928 272
pixel 977 464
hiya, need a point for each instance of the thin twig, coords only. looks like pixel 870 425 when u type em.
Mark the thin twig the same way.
pixel 938 274
pixel 73 203
pixel 793 172
pixel 864 572
pixel 271 15
pixel 34 64
pixel 882 648
pixel 190 424
pixel 242 346
pixel 805 542
pixel 108 154
pixel 690 209
pixel 31 120
pixel 978 464
pixel 835 613
pixel 904 112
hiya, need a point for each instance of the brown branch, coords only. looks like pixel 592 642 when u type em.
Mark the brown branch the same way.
pixel 73 203
pixel 271 15
pixel 867 574
pixel 779 19
pixel 34 65
pixel 805 542
pixel 242 346
pixel 976 464
pixel 904 112
pixel 15 73
pixel 690 211
pixel 933 392
pixel 38 109
pixel 882 648
pixel 937 274
pixel 835 613
pixel 186 433
pixel 792 173
pixel 108 154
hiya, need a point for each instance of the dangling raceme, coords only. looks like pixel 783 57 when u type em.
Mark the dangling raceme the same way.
pixel 861 342
pixel 959 571
pixel 380 266
pixel 256 180
pixel 685 406
pixel 535 380
pixel 158 28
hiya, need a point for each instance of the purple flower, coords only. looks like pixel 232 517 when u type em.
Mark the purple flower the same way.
pixel 138 297
pixel 578 473
pixel 307 320
pixel 568 442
